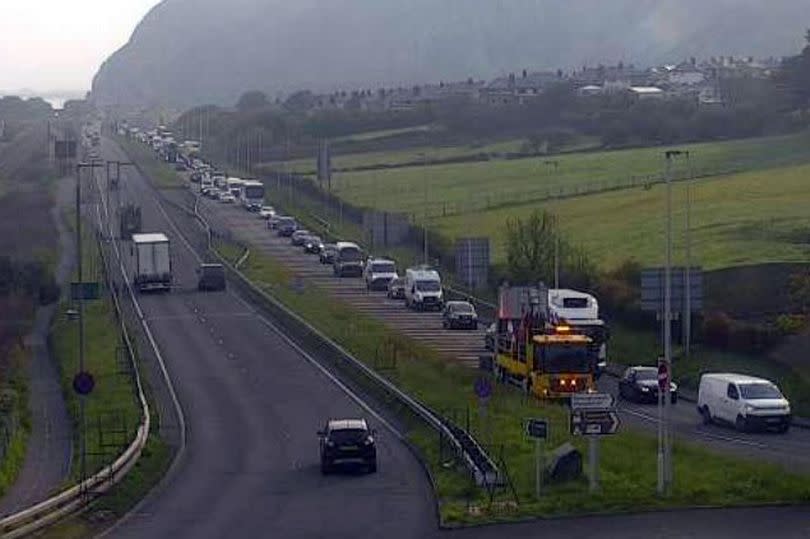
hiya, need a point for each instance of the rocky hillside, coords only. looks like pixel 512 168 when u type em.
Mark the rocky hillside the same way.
pixel 194 51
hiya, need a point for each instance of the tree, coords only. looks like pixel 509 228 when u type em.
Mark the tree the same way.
pixel 252 100
pixel 800 292
pixel 530 246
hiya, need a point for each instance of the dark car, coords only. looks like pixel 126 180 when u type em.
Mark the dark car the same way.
pixel 195 177
pixel 179 167
pixel 640 384
pixel 327 254
pixel 312 245
pixel 396 288
pixel 346 442
pixel 459 314
pixel 286 226
pixel 211 277
pixel 298 237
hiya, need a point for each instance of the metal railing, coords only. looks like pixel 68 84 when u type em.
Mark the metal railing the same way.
pixel 476 460
pixel 73 499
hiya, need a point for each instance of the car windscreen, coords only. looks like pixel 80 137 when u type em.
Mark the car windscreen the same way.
pixel 646 374
pixel 350 254
pixel 462 307
pixel 383 267
pixel 428 286
pixel 348 436
pixel 760 391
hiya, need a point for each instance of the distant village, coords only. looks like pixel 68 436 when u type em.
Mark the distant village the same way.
pixel 687 80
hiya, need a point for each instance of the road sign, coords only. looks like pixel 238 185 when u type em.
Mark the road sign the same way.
pixel 537 428
pixel 652 289
pixel 483 388
pixel 592 401
pixel 83 383
pixel 84 291
pixel 594 422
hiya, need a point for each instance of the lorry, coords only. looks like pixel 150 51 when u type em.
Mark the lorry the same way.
pixel 153 263
pixel 252 195
pixel 130 221
pixel 348 260
pixel 580 311
pixel 547 360
pixel 423 289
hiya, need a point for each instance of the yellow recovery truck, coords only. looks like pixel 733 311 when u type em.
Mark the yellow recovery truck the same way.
pixel 547 360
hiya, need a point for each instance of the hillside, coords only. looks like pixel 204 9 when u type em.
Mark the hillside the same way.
pixel 188 52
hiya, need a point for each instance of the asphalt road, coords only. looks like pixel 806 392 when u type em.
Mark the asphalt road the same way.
pixel 253 405
pixel 791 450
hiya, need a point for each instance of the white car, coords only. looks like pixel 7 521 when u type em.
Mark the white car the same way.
pixel 379 272
pixel 267 212
pixel 227 197
pixel 744 401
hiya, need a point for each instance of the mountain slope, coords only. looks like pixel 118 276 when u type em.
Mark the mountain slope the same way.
pixel 194 51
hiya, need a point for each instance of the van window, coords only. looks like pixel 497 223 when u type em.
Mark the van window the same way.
pixel 428 286
pixel 760 391
pixel 575 303
pixel 732 393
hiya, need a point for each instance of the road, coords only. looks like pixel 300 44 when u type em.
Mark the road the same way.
pixel 253 405
pixel 790 450
pixel 235 482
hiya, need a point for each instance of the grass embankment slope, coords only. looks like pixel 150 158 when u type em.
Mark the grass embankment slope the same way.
pixel 162 174
pixel 112 410
pixel 628 459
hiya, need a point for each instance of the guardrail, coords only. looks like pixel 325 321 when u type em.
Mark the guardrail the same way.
pixel 50 511
pixel 478 462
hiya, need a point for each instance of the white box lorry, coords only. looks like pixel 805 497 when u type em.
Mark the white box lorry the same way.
pixel 153 263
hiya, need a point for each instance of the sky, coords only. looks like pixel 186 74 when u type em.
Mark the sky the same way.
pixel 57 45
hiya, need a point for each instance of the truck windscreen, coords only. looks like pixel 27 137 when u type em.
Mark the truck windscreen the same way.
pixel 254 191
pixel 563 359
pixel 428 286
pixel 350 254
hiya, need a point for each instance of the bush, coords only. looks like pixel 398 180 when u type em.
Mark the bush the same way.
pixel 716 329
pixel 722 331
pixel 790 324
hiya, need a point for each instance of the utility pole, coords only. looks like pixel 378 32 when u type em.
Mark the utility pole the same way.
pixel 425 224
pixel 688 276
pixel 80 269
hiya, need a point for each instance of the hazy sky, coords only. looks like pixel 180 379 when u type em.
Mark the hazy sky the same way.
pixel 58 44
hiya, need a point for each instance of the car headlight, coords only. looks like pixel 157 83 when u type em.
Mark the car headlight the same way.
pixel 645 389
pixel 368 441
pixel 750 408
pixel 330 443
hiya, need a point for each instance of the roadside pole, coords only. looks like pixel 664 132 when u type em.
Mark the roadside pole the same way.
pixel 537 429
pixel 593 461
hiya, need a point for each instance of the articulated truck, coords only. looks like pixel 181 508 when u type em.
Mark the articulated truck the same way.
pixel 153 263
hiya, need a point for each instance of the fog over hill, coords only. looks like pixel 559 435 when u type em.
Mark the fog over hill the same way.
pixel 188 52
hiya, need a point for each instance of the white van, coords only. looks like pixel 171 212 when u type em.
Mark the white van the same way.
pixel 744 401
pixel 379 272
pixel 423 289
pixel 348 260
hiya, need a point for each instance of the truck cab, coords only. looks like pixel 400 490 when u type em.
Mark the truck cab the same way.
pixel 348 260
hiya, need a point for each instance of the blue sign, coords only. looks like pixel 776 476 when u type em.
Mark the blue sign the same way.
pixel 83 383
pixel 483 388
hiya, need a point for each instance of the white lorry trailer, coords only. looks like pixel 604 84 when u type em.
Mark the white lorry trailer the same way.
pixel 153 263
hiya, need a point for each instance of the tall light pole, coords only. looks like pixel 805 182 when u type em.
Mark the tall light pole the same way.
pixel 688 275
pixel 424 224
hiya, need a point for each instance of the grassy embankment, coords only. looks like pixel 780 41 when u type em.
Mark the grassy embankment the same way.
pixel 112 410
pixel 14 414
pixel 162 174
pixel 628 459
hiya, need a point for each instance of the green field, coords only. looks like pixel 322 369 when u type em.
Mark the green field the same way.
pixel 397 157
pixel 466 187
pixel 759 216
pixel 383 133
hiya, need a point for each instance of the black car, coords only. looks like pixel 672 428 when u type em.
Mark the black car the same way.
pixel 327 254
pixel 459 314
pixel 396 288
pixel 312 245
pixel 211 277
pixel 286 226
pixel 640 384
pixel 298 237
pixel 346 442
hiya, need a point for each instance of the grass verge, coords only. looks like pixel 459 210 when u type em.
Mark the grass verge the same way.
pixel 15 419
pixel 628 459
pixel 163 174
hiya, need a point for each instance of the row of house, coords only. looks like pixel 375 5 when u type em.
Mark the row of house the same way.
pixel 688 79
